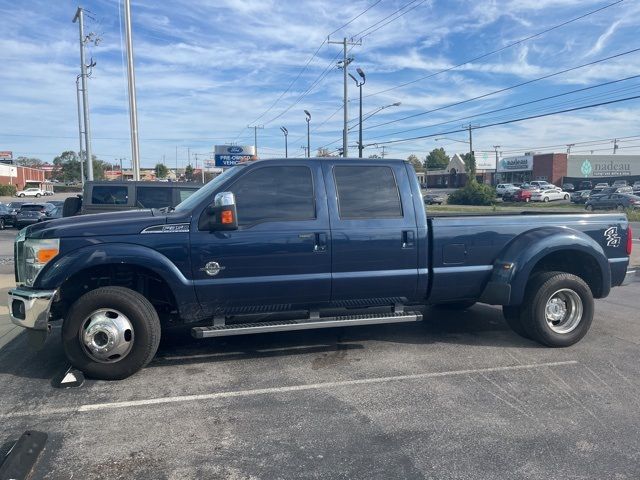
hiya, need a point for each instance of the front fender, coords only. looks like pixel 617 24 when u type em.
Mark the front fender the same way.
pixel 512 269
pixel 57 272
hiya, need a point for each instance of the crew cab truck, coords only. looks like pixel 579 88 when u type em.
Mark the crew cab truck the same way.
pixel 291 244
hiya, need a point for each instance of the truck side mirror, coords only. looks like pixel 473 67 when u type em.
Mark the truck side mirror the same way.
pixel 221 215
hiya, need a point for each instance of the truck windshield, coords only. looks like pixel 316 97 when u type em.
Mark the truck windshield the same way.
pixel 206 191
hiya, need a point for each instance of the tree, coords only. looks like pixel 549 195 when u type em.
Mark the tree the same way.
pixel 188 172
pixel 323 152
pixel 437 159
pixel 416 162
pixel 161 170
pixel 29 162
pixel 99 167
pixel 470 165
pixel 66 167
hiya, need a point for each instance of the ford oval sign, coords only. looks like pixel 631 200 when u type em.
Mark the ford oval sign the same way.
pixel 234 149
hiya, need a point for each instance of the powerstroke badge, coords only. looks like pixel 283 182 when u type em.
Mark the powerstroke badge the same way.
pixel 612 237
pixel 169 228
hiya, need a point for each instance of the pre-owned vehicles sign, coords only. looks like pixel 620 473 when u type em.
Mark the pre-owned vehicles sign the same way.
pixel 230 155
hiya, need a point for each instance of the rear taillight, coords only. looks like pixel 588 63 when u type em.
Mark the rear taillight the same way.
pixel 629 240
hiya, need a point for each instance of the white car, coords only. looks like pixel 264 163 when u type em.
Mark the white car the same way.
pixel 549 194
pixel 503 188
pixel 30 192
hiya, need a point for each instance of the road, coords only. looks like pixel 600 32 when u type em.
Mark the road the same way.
pixel 458 396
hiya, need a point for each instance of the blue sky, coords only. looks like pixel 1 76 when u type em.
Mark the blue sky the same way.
pixel 206 69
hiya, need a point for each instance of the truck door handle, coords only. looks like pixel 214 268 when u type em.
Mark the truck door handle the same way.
pixel 408 239
pixel 320 242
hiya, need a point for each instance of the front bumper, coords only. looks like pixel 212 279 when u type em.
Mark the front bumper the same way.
pixel 30 308
pixel 633 275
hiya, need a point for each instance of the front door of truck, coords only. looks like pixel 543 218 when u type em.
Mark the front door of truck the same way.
pixel 373 228
pixel 281 252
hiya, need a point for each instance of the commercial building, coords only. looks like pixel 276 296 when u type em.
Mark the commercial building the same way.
pixel 19 176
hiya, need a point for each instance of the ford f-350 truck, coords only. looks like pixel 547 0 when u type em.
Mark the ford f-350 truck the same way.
pixel 291 244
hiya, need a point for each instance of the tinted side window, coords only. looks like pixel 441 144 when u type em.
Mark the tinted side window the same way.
pixel 153 197
pixel 109 195
pixel 275 194
pixel 367 192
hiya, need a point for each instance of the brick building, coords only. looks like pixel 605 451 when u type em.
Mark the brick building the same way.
pixel 18 176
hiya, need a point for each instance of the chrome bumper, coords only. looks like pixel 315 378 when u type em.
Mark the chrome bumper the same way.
pixel 30 308
pixel 633 275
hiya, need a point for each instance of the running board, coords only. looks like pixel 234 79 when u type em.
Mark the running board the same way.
pixel 306 324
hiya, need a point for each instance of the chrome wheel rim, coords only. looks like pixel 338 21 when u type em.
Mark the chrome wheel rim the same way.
pixel 563 311
pixel 106 335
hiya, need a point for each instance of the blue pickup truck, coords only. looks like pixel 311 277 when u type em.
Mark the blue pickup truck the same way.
pixel 281 245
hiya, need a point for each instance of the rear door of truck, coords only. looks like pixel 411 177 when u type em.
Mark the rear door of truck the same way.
pixel 373 230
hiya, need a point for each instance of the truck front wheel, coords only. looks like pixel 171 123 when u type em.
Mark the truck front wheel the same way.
pixel 110 333
pixel 557 310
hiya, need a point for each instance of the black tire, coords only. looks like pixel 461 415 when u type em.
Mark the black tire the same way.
pixel 512 316
pixel 620 208
pixel 71 206
pixel 143 318
pixel 589 208
pixel 540 289
pixel 22 195
pixel 1 223
pixel 566 197
pixel 455 306
pixel 545 199
pixel 37 195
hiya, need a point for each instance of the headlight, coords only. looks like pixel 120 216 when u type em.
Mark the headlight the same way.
pixel 37 253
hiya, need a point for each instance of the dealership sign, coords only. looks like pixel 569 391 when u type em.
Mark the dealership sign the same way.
pixel 230 155
pixel 603 165
pixel 516 164
pixel 6 154
pixel 485 161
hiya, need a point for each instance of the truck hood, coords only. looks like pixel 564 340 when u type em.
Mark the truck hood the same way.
pixel 99 224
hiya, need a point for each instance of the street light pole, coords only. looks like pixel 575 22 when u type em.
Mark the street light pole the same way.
pixel 80 130
pixel 359 84
pixel 286 147
pixel 85 94
pixel 308 118
pixel 131 83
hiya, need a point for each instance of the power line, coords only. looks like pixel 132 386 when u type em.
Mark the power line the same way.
pixel 360 34
pixel 530 117
pixel 581 143
pixel 544 77
pixel 510 107
pixel 493 52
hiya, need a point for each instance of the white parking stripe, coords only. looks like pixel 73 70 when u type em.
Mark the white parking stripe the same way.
pixel 292 388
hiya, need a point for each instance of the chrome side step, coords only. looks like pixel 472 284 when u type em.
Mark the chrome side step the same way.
pixel 306 324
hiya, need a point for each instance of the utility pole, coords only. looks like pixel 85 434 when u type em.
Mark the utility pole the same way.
pixel 85 94
pixel 176 162
pixel 286 146
pixel 121 171
pixel 131 82
pixel 569 145
pixel 344 64
pixel 305 150
pixel 80 130
pixel 189 156
pixel 615 145
pixel 384 147
pixel 308 119
pixel 496 147
pixel 470 127
pixel 255 136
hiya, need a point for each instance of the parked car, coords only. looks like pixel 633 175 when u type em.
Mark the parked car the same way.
pixel 5 216
pixel 580 197
pixel 32 213
pixel 636 186
pixel 568 187
pixel 602 185
pixel 620 183
pixel 596 191
pixel 619 189
pixel 13 210
pixel 503 188
pixel 523 195
pixel 30 192
pixel 113 196
pixel 313 235
pixel 617 201
pixel 549 194
pixel 431 198
pixel 585 185
pixel 56 203
pixel 542 184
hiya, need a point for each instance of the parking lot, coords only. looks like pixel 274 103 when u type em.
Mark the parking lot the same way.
pixel 457 396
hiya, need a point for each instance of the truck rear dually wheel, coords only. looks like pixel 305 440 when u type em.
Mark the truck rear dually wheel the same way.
pixel 557 310
pixel 110 333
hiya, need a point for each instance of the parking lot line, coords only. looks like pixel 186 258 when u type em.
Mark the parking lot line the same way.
pixel 287 389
